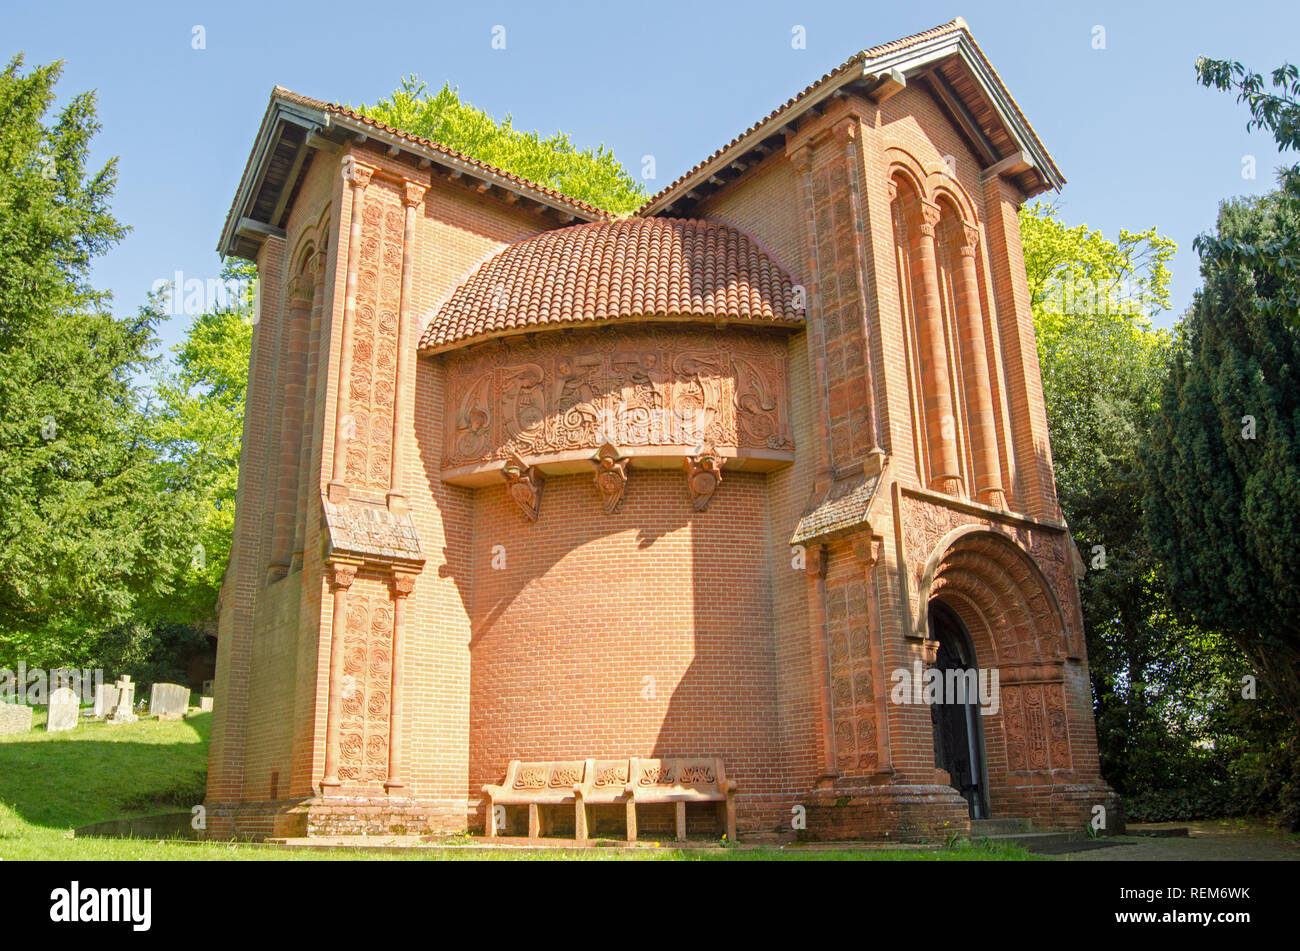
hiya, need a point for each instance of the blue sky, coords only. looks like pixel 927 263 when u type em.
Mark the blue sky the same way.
pixel 1139 141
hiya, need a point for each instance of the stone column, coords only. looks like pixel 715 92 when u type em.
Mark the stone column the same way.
pixel 413 195
pixel 358 177
pixel 979 392
pixel 940 423
pixel 306 490
pixel 403 585
pixel 341 577
pixel 288 444
pixel 848 131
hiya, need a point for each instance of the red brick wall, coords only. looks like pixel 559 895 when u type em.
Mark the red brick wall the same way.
pixel 589 605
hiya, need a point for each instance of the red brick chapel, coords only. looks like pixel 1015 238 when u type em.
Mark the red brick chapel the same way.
pixel 522 480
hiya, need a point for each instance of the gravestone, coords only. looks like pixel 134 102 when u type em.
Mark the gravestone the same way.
pixel 169 700
pixel 122 712
pixel 63 710
pixel 205 704
pixel 105 699
pixel 15 718
pixel 207 688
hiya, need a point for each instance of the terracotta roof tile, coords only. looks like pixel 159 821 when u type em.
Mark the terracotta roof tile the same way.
pixel 636 268
pixel 587 210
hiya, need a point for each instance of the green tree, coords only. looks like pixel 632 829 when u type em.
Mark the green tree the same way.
pixel 1223 468
pixel 85 536
pixel 1102 363
pixel 591 175
pixel 1276 253
pixel 198 427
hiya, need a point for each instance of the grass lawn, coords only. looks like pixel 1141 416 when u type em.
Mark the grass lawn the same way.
pixel 51 783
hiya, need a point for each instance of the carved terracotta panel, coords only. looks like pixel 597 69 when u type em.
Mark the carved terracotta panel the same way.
pixel 367 670
pixel 1035 725
pixel 634 388
pixel 374 349
pixel 852 687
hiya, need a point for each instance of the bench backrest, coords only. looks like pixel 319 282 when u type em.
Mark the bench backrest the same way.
pixel 536 777
pixel 608 774
pixel 702 773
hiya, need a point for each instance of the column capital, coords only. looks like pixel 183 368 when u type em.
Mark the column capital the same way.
pixel 971 240
pixel 930 215
pixel 342 574
pixel 355 173
pixel 316 266
pixel 300 290
pixel 413 193
pixel 846 130
pixel 403 583
pixel 802 157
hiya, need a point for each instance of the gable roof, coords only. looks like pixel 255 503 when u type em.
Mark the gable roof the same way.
pixel 295 125
pixel 635 268
pixel 946 59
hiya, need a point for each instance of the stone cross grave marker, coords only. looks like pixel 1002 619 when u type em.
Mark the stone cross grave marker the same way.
pixel 122 712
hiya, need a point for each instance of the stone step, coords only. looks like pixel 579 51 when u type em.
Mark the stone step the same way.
pixel 1048 843
pixel 992 827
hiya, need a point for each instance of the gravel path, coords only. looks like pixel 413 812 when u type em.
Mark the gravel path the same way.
pixel 1223 840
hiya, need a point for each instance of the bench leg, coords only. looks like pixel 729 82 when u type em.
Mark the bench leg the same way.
pixel 580 821
pixel 490 826
pixel 534 821
pixel 731 819
pixel 681 821
pixel 631 821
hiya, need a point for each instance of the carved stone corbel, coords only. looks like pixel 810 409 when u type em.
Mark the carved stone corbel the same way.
pixel 524 483
pixel 703 475
pixel 611 476
pixel 866 549
pixel 818 557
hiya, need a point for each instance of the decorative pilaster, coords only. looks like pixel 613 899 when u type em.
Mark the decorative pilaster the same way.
pixel 403 585
pixel 412 197
pixel 817 560
pixel 340 575
pixel 940 422
pixel 979 395
pixel 358 178
pixel 847 132
pixel 816 343
pixel 867 549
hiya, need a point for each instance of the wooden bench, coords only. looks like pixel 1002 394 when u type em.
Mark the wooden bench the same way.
pixel 611 782
pixel 534 785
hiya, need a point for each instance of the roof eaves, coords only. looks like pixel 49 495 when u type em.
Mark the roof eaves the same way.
pixel 316 115
pixel 254 169
pixel 341 116
pixel 906 54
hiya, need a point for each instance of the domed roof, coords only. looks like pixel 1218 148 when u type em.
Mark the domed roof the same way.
pixel 636 268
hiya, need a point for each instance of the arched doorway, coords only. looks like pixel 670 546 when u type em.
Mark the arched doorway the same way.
pixel 958 732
